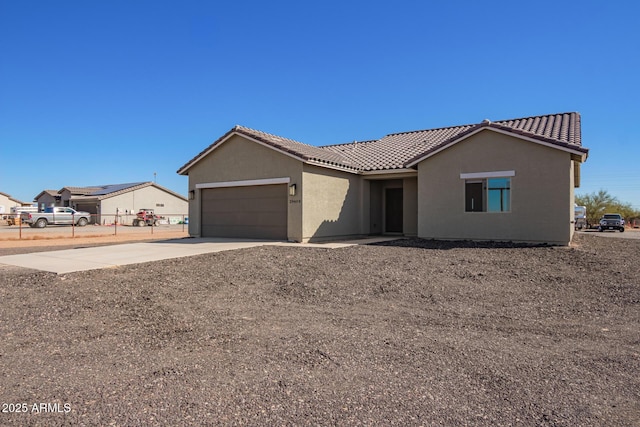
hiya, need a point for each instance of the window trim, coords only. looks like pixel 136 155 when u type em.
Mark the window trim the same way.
pixel 496 174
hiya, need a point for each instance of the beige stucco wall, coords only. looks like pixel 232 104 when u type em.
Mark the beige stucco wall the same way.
pixel 6 203
pixel 541 191
pixel 331 203
pixel 239 159
pixel 572 200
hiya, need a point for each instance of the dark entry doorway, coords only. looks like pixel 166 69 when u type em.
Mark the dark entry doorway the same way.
pixel 393 210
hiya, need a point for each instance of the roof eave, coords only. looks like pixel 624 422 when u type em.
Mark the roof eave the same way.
pixel 235 131
pixel 280 149
pixel 334 166
pixel 387 170
pixel 183 170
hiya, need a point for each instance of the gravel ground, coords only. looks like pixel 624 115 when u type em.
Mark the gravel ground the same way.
pixel 411 332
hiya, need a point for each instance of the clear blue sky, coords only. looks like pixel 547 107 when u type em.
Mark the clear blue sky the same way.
pixel 110 92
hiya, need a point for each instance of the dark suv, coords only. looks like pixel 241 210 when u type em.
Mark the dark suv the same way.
pixel 611 222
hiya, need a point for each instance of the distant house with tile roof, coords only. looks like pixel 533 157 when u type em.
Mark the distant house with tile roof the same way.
pixel 105 201
pixel 509 180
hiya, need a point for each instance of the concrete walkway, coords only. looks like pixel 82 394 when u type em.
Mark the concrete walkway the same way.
pixel 81 259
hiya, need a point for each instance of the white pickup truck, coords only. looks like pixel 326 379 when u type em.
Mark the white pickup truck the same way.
pixel 55 216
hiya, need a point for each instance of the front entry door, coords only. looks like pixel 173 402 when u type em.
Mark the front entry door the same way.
pixel 393 210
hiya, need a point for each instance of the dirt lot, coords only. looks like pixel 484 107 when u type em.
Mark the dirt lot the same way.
pixel 408 333
pixel 15 241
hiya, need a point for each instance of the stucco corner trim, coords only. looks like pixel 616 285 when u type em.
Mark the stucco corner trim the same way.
pixel 245 183
pixel 494 174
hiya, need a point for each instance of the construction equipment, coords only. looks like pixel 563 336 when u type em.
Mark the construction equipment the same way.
pixel 146 217
pixel 13 220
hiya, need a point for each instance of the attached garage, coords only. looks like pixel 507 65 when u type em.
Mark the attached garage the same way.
pixel 245 211
pixel 92 208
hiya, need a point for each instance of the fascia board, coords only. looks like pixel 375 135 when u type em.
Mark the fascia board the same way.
pixel 537 141
pixel 582 155
pixel 204 154
pixel 379 174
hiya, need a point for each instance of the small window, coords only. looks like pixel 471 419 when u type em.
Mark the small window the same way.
pixel 488 195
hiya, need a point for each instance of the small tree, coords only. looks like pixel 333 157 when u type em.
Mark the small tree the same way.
pixel 596 204
pixel 602 202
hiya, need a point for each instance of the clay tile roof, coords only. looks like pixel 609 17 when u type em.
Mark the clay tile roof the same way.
pixel 563 128
pixel 298 149
pixel 393 151
pixel 399 150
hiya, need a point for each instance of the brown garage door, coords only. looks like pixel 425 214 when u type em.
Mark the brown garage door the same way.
pixel 251 212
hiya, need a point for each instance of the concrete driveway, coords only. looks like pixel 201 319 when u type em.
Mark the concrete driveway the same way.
pixel 81 259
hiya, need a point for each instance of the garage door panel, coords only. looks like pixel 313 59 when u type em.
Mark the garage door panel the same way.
pixel 246 218
pixel 248 232
pixel 262 204
pixel 250 212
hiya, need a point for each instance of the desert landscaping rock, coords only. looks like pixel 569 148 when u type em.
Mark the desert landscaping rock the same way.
pixel 410 332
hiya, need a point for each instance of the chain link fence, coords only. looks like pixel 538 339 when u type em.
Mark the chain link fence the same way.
pixel 11 227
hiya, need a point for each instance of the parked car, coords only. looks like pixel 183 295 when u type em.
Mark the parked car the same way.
pixel 56 216
pixel 611 222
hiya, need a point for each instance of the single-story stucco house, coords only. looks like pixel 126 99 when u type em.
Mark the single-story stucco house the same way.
pixel 509 180
pixel 105 201
pixel 7 202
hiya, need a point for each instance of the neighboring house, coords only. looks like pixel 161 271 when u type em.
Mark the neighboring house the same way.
pixel 47 198
pixel 7 202
pixel 105 201
pixel 511 180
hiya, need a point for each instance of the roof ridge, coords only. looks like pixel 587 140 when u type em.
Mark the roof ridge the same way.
pixel 431 129
pixel 240 127
pixel 537 116
pixel 480 122
pixel 368 141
